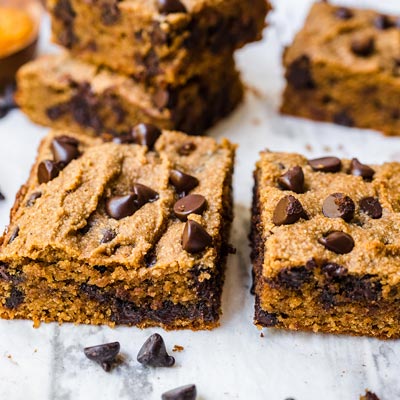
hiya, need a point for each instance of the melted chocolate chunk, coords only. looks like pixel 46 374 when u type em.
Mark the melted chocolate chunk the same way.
pixel 292 180
pixel 103 354
pixel 14 235
pixel 4 275
pixel 101 268
pixel 384 22
pixel 288 211
pixel 32 199
pixel 154 354
pixel 65 149
pixel 119 207
pixel 144 194
pixel 192 204
pixel 293 278
pixel 195 238
pixel 57 111
pixel 65 13
pixel 326 164
pixel 338 205
pixel 15 299
pixel 371 206
pixel 48 170
pixel 187 392
pixel 183 183
pixel 359 169
pixel 363 46
pixel 186 149
pixel 171 6
pixel 343 13
pixel 332 270
pixel 146 135
pixel 343 118
pixel 299 73
pixel 108 236
pixel 110 12
pixel 338 242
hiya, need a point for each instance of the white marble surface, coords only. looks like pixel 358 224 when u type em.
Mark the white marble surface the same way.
pixel 233 361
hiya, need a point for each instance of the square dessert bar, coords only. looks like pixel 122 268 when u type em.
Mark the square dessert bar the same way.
pixel 344 67
pixel 326 251
pixel 109 233
pixel 65 93
pixel 156 41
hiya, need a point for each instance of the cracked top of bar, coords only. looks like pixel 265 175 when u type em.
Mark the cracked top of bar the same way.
pixel 367 210
pixel 65 219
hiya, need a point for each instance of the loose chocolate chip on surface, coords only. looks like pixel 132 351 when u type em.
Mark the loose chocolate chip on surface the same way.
pixel 363 45
pixel 103 354
pixel 171 6
pixel 7 101
pixel 14 235
pixel 154 354
pixel 32 198
pixel 338 242
pixel 333 270
pixel 146 135
pixel 371 206
pixel 195 238
pixel 359 169
pixel 2 197
pixel 183 183
pixel 187 392
pixel 119 207
pixel 292 180
pixel 47 171
pixel 299 73
pixel 338 205
pixel 144 194
pixel 383 22
pixel 288 211
pixel 15 299
pixel 192 204
pixel 108 235
pixel 326 164
pixel 186 149
pixel 65 149
pixel 343 13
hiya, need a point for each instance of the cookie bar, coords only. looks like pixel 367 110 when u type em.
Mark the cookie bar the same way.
pixel 110 233
pixel 65 93
pixel 325 238
pixel 156 41
pixel 344 67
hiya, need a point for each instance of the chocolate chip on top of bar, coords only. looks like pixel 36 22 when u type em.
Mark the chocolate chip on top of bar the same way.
pixel 325 234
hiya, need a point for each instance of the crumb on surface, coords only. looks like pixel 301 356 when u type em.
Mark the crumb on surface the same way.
pixel 178 348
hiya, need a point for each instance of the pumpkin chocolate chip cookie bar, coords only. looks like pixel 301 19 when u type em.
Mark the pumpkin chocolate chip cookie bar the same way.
pixel 325 238
pixel 111 233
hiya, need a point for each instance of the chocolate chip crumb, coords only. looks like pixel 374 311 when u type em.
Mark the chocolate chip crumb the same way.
pixel 154 354
pixel 369 396
pixel 103 354
pixel 187 392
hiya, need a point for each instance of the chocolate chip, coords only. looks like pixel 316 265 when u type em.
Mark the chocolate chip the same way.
pixel 183 183
pixel 186 149
pixel 292 180
pixel 144 194
pixel 110 12
pixel 359 169
pixel 363 45
pixel 338 242
pixel 119 207
pixel 343 118
pixel 4 275
pixel 32 198
pixel 383 22
pixel 2 197
pixel 154 354
pixel 57 111
pixel 293 278
pixel 161 97
pixel 299 73
pixel 371 207
pixel 101 268
pixel 14 235
pixel 103 354
pixel 47 171
pixel 326 164
pixel 332 270
pixel 15 299
pixel 192 204
pixel 195 238
pixel 288 211
pixel 171 6
pixel 343 13
pixel 7 101
pixel 338 205
pixel 65 149
pixel 146 135
pixel 187 392
pixel 108 235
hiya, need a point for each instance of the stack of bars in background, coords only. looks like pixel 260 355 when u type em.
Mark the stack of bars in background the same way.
pixel 164 62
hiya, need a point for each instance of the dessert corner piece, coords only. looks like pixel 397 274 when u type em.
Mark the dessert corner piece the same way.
pixel 325 245
pixel 109 233
pixel 344 67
